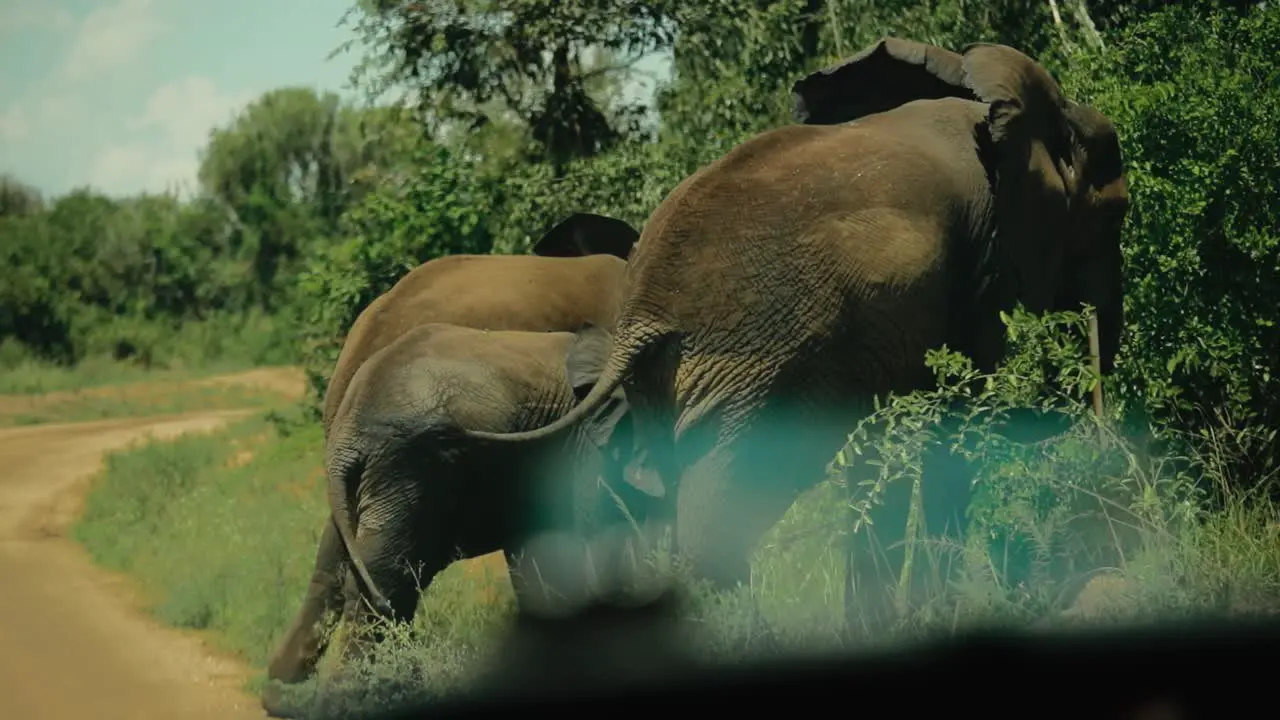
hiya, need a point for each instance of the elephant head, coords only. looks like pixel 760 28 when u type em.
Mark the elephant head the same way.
pixel 587 234
pixel 1054 166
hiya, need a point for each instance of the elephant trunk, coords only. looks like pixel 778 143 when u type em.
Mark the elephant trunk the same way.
pixel 341 480
pixel 1104 290
pixel 1097 279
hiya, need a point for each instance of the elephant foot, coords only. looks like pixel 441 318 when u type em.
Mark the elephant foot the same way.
pixel 287 700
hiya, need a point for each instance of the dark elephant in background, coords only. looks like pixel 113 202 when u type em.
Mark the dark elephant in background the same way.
pixel 779 289
pixel 574 279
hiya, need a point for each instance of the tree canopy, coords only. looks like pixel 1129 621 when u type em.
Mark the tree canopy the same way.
pixel 512 115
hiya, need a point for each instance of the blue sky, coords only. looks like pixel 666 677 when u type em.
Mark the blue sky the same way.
pixel 121 94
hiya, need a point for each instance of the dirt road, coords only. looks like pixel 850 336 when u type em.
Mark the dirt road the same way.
pixel 73 643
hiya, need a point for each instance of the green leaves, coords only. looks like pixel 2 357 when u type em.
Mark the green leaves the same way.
pixel 536 65
pixel 1201 135
pixel 290 165
pixel 437 210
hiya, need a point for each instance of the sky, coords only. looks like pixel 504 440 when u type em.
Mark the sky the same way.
pixel 121 94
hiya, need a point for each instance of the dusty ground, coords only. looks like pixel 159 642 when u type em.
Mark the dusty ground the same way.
pixel 73 643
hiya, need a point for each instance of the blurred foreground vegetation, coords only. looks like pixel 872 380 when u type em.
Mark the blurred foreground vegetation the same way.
pixel 309 207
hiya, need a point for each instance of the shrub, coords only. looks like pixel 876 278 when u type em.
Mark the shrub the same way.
pixel 1200 132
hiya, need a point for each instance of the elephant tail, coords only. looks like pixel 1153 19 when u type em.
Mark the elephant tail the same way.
pixel 621 362
pixel 341 480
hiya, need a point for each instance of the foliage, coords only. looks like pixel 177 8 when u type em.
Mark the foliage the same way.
pixel 1051 483
pixel 289 165
pixel 18 198
pixel 87 274
pixel 535 62
pixel 1200 131
pixel 311 208
pixel 89 263
pixel 434 212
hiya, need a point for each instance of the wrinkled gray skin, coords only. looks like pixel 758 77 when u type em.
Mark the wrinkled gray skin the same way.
pixel 777 290
pixel 575 278
pixel 410 492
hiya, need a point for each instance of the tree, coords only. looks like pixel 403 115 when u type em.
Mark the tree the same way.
pixel 290 164
pixel 536 63
pixel 18 198
pixel 1200 131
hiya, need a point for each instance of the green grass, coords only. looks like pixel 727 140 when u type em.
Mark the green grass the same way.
pixel 33 377
pixel 228 547
pixel 138 400
pixel 220 532
pixel 218 547
pixel 164 352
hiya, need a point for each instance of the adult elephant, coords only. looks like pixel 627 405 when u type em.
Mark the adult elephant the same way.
pixel 777 290
pixel 410 493
pixel 575 278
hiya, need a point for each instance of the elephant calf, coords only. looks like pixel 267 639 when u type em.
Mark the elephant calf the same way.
pixel 574 277
pixel 409 491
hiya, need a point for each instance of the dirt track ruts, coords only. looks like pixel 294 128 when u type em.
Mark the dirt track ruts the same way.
pixel 73 642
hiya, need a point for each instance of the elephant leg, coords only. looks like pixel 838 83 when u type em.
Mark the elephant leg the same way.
pixel 735 490
pixel 548 570
pixel 716 524
pixel 520 584
pixel 720 517
pixel 878 552
pixel 298 653
pixel 401 569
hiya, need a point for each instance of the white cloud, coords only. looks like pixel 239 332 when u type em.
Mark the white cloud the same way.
pixel 187 109
pixel 111 37
pixel 135 167
pixel 17 15
pixel 14 125
pixel 118 165
pixel 183 112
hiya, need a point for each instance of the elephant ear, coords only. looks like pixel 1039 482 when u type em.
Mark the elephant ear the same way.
pixel 890 73
pixel 1033 160
pixel 586 359
pixel 585 364
pixel 1023 96
pixel 588 234
pixel 612 424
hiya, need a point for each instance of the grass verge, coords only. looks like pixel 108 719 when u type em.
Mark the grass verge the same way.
pixel 127 395
pixel 220 531
pixel 30 377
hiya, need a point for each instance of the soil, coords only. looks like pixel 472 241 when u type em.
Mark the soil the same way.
pixel 74 641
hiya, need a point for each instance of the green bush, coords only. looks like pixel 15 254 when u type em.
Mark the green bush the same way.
pixel 1058 496
pixel 1200 131
pixel 438 209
